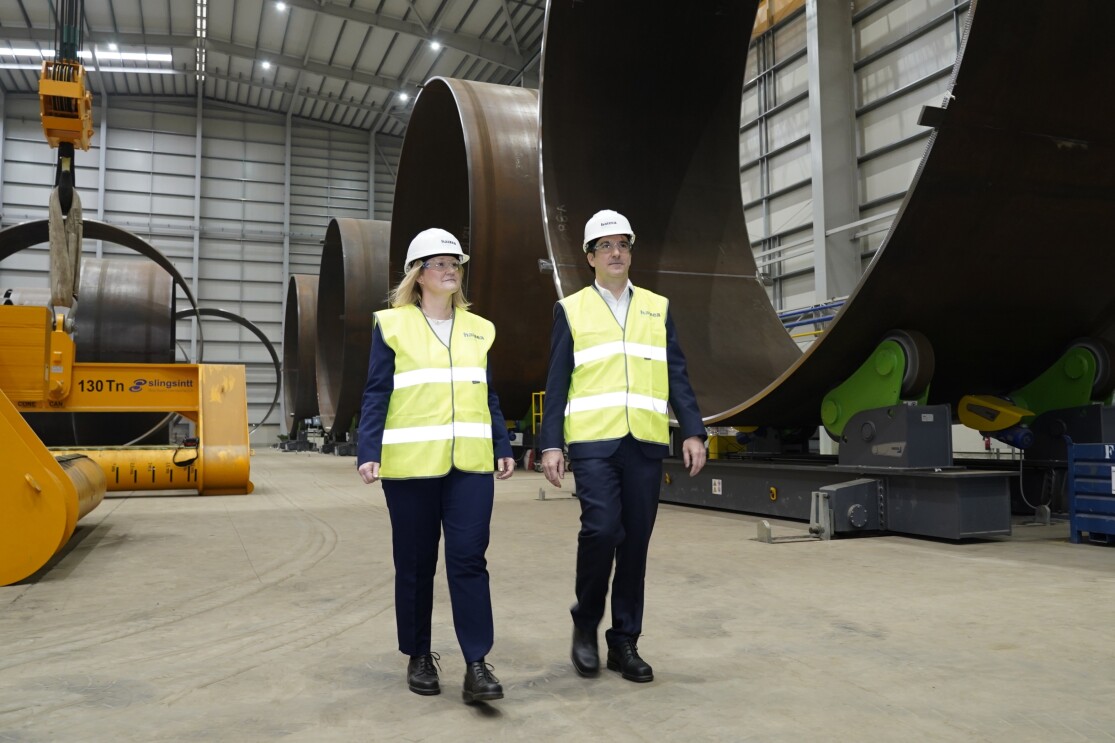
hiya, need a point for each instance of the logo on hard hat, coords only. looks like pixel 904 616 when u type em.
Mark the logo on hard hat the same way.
pixel 448 242
pixel 605 224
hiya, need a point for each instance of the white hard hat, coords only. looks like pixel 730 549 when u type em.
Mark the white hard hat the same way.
pixel 607 222
pixel 433 241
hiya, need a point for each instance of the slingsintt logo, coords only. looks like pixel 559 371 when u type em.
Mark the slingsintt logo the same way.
pixel 160 384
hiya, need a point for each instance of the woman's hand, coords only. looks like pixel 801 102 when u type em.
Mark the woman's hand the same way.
pixel 369 471
pixel 506 468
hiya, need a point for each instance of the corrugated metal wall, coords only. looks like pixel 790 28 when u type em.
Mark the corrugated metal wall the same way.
pixel 903 51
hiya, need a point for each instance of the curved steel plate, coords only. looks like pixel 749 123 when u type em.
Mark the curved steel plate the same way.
pixel 124 312
pixel 352 284
pixel 470 165
pixel 647 123
pixel 1000 254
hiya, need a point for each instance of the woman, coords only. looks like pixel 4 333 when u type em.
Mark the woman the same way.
pixel 431 429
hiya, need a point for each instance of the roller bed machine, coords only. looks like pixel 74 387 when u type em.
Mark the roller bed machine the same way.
pixel 895 470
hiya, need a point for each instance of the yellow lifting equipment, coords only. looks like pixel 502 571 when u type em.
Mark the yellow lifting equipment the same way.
pixel 41 497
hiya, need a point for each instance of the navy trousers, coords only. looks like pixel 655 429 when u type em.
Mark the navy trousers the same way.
pixel 459 503
pixel 619 502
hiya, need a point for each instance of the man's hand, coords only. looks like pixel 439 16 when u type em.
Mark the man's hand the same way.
pixel 506 468
pixel 693 454
pixel 553 466
pixel 369 471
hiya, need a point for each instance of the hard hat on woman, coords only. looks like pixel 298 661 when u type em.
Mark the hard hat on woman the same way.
pixel 433 241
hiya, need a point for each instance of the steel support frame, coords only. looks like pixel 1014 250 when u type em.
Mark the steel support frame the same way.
pixel 832 142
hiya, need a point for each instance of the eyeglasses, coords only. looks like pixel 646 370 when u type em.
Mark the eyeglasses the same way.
pixel 607 247
pixel 441 264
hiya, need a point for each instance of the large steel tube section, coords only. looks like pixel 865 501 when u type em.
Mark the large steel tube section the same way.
pixel 352 284
pixel 646 122
pixel 470 165
pixel 125 312
pixel 300 350
pixel 998 254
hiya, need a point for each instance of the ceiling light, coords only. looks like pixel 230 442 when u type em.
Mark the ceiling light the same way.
pixel 266 65
pixel 280 6
pixel 129 56
pixel 404 97
pixel 112 46
pixel 86 54
pixel 435 45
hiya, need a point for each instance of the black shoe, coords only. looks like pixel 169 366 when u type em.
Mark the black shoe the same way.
pixel 625 659
pixel 422 674
pixel 481 685
pixel 585 654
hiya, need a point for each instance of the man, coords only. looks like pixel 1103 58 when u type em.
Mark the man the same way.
pixel 615 362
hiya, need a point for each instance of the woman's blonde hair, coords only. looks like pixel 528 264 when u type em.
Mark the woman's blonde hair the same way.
pixel 409 291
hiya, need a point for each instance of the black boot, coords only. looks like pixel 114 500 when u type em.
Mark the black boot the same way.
pixel 422 674
pixel 480 684
pixel 624 658
pixel 585 653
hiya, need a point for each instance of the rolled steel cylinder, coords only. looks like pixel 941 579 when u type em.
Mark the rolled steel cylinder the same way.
pixel 125 312
pixel 993 255
pixel 613 137
pixel 470 165
pixel 300 349
pixel 352 284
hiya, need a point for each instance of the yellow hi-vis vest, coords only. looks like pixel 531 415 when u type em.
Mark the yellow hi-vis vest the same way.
pixel 438 415
pixel 620 382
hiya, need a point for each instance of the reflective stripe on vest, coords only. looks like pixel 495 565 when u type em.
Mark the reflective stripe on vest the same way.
pixel 620 382
pixel 438 415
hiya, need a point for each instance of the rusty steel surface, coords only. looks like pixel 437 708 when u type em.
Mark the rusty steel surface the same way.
pixel 124 313
pixel 352 284
pixel 470 165
pixel 300 349
pixel 646 122
pixel 1001 252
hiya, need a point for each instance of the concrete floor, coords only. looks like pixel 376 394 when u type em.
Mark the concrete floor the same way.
pixel 269 616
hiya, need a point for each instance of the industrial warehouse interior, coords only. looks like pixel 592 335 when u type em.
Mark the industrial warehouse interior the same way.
pixel 882 228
